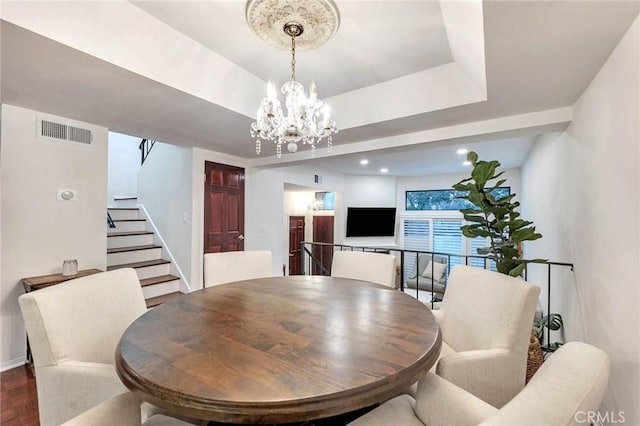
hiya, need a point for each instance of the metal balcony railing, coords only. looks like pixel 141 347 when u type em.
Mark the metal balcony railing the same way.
pixel 309 260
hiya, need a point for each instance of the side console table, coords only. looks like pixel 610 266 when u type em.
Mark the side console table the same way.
pixel 36 283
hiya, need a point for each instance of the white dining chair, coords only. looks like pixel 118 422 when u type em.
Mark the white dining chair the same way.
pixel 486 318
pixel 74 328
pixel 225 267
pixel 568 386
pixel 377 268
pixel 124 410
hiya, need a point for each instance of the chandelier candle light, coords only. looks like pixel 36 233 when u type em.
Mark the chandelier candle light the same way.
pixel 307 120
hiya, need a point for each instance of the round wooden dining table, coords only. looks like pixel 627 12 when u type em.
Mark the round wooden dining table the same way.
pixel 278 350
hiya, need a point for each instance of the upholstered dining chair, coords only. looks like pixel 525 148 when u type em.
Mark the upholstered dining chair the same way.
pixel 222 268
pixel 572 381
pixel 377 268
pixel 486 320
pixel 73 330
pixel 123 409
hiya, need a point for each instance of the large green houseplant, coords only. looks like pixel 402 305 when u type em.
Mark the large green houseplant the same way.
pixel 495 218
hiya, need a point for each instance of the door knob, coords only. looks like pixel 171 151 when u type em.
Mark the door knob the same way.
pixel 241 237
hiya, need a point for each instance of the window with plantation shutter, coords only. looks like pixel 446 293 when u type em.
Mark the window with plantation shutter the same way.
pixel 440 234
pixel 416 236
pixel 448 238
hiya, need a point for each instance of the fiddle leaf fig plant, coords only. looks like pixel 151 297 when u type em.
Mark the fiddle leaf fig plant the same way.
pixel 495 218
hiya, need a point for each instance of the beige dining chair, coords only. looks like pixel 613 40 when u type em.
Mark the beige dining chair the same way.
pixel 568 386
pixel 222 268
pixel 377 268
pixel 73 330
pixel 486 320
pixel 123 409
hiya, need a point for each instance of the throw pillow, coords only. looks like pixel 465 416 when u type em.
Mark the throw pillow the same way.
pixel 438 270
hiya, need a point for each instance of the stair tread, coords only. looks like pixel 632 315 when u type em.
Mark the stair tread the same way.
pixel 129 220
pixel 123 208
pixel 155 301
pixel 127 233
pixel 142 264
pixel 132 248
pixel 158 280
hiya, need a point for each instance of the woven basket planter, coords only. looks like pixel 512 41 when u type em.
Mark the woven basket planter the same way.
pixel 534 357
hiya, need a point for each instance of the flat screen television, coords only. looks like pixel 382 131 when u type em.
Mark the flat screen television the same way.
pixel 371 221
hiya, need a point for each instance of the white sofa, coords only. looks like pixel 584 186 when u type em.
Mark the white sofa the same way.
pixel 573 380
pixel 436 284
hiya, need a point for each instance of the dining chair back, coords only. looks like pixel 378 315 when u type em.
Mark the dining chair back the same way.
pixel 73 330
pixel 486 320
pixel 225 267
pixel 377 268
pixel 566 390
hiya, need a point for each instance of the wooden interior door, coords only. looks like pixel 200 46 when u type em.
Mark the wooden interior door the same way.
pixel 223 208
pixel 322 233
pixel 296 236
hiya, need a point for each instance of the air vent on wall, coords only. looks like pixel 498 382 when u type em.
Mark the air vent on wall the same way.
pixel 63 132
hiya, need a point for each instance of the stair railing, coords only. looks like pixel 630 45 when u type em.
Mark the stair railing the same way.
pixel 145 147
pixel 110 222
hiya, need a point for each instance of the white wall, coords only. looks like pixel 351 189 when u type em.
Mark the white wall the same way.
pixel 264 215
pixel 124 163
pixel 38 231
pixel 164 183
pixel 368 191
pixel 581 189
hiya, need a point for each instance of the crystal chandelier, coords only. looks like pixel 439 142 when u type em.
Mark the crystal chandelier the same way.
pixel 307 119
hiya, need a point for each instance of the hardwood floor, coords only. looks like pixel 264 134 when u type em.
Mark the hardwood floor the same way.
pixel 18 398
pixel 19 403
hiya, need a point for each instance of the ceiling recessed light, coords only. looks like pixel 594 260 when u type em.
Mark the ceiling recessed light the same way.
pixel 384 170
pixel 462 151
pixel 466 163
pixel 364 162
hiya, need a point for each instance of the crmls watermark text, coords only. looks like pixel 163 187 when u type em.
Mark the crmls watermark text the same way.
pixel 600 418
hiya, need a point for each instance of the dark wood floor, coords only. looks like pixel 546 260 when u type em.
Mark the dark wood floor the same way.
pixel 19 402
pixel 18 398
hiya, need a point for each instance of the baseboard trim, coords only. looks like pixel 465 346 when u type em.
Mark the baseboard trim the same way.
pixel 13 363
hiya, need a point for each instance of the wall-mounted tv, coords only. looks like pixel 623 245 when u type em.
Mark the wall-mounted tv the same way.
pixel 371 221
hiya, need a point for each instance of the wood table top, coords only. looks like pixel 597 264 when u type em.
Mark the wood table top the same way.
pixel 278 350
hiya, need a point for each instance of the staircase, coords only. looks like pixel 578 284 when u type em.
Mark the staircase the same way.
pixel 130 245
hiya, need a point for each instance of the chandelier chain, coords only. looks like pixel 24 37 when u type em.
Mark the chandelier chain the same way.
pixel 293 57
